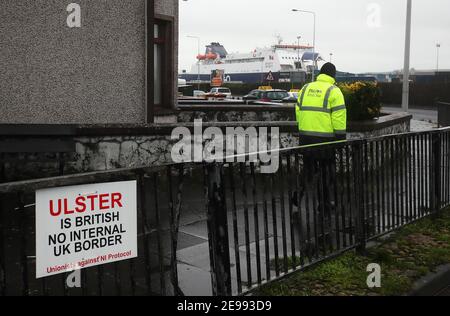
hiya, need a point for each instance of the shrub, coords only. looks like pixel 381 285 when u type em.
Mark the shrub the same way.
pixel 363 100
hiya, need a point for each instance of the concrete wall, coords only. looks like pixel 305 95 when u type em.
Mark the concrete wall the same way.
pixel 106 147
pixel 51 73
pixel 399 128
pixel 236 113
pixel 129 147
pixel 109 152
pixel 106 153
pixel 98 148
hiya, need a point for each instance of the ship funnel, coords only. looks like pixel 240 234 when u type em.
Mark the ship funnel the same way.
pixel 217 49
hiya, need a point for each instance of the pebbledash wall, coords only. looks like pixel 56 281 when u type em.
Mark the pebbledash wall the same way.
pixel 96 73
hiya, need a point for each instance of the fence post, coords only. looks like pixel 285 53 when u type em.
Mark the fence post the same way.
pixel 358 170
pixel 435 184
pixel 2 250
pixel 2 168
pixel 219 249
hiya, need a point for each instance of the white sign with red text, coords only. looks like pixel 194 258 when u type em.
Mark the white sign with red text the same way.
pixel 83 226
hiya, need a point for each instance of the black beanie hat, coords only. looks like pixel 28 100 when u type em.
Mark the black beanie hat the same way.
pixel 328 69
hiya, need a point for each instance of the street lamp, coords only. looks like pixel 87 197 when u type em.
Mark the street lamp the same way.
pixel 198 62
pixel 314 39
pixel 298 51
pixel 405 97
pixel 438 46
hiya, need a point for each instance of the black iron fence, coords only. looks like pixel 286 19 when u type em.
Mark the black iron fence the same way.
pixel 322 201
pixel 154 272
pixel 443 114
pixel 325 200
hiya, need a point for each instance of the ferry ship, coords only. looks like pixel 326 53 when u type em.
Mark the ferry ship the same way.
pixel 278 63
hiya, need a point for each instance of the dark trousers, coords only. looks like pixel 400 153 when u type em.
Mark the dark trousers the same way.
pixel 318 182
pixel 319 175
pixel 319 171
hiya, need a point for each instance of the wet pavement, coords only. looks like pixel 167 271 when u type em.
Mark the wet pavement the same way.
pixel 419 113
pixel 420 126
pixel 279 239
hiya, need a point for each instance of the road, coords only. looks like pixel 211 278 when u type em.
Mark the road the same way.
pixel 419 114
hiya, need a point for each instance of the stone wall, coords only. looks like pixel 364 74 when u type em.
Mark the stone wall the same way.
pixel 400 128
pixel 105 153
pixel 391 123
pixel 236 113
pixel 137 149
pixel 127 146
pixel 128 151
pixel 105 147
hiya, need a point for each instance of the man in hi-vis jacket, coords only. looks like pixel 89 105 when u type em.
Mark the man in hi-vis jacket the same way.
pixel 322 118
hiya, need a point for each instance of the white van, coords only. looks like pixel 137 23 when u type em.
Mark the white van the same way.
pixel 199 94
pixel 222 91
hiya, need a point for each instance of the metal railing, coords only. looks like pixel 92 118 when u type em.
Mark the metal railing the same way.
pixel 154 272
pixel 323 200
pixel 367 189
pixel 443 114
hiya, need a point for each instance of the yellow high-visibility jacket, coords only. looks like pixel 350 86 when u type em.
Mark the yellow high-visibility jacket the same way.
pixel 321 110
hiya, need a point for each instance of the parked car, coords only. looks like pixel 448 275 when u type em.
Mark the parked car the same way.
pixel 254 95
pixel 293 97
pixel 273 96
pixel 293 94
pixel 220 92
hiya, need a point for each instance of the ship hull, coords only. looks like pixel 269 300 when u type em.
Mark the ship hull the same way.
pixel 247 78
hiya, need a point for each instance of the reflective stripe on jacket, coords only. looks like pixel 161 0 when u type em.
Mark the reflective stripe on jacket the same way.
pixel 321 109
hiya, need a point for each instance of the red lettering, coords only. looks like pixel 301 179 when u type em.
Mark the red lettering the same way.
pixel 66 208
pixel 52 209
pixel 93 199
pixel 81 204
pixel 116 198
pixel 104 201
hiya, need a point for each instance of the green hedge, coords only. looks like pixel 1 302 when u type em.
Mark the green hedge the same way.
pixel 363 100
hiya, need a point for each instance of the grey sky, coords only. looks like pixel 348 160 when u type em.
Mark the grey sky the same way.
pixel 342 29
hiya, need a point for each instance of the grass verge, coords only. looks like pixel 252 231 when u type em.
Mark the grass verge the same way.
pixel 404 257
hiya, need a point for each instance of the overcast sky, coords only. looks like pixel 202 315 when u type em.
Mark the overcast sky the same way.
pixel 359 38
